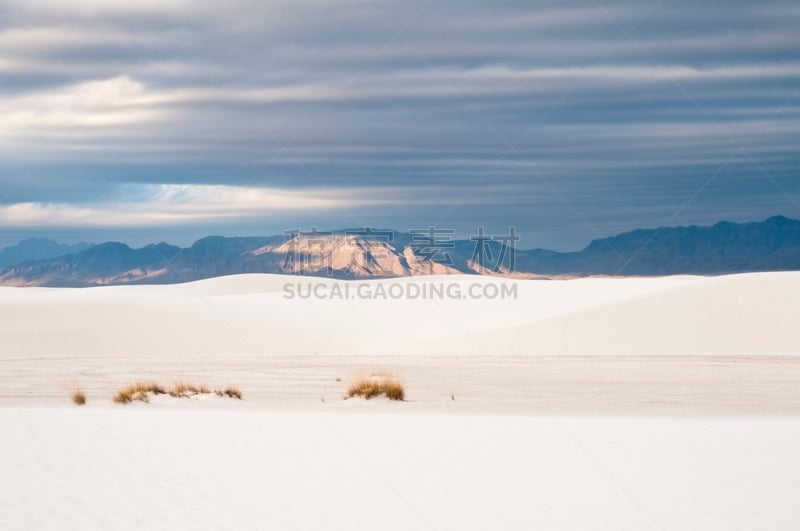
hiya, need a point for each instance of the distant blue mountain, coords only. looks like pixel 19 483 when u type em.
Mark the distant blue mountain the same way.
pixel 770 245
pixel 37 249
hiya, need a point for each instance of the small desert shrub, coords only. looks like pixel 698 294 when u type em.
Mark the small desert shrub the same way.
pixel 232 392
pixel 393 389
pixel 137 391
pixel 141 391
pixel 78 396
pixel 365 387
pixel 377 384
pixel 122 397
pixel 183 390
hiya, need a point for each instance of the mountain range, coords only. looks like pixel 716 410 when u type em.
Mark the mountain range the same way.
pixel 769 245
pixel 37 249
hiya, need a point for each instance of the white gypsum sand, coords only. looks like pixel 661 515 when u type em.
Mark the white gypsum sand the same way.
pixel 641 403
pixel 698 345
pixel 745 314
pixel 139 468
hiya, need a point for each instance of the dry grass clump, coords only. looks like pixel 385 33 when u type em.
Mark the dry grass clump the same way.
pixel 229 391
pixel 364 387
pixel 137 391
pixel 375 385
pixel 393 389
pixel 185 390
pixel 141 396
pixel 141 391
pixel 232 392
pixel 78 396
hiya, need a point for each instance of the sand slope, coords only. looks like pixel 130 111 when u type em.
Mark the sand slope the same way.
pixel 248 314
pixel 676 345
pixel 171 469
pixel 667 403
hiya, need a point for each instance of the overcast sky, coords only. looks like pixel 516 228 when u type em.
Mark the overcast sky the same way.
pixel 171 120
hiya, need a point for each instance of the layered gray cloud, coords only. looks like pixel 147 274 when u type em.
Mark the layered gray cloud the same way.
pixel 567 119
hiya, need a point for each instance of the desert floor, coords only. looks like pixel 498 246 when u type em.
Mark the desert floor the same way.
pixel 666 403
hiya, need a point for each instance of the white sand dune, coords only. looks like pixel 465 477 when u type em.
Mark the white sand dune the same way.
pixel 746 314
pixel 670 345
pixel 248 314
pixel 140 468
pixel 658 403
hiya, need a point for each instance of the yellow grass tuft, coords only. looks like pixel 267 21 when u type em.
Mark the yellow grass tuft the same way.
pixel 232 392
pixel 393 389
pixel 141 391
pixel 137 391
pixel 78 396
pixel 184 390
pixel 377 384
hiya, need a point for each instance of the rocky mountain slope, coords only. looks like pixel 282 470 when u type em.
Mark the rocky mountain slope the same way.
pixel 773 244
